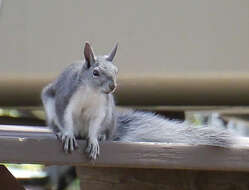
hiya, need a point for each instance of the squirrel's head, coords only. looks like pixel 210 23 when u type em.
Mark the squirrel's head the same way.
pixel 100 70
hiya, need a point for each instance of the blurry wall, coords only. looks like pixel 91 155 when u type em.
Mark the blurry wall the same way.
pixel 155 36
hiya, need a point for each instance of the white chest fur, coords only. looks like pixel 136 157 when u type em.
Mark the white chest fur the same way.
pixel 85 106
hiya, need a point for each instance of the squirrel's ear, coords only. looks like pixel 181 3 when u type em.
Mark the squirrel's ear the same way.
pixel 89 55
pixel 113 53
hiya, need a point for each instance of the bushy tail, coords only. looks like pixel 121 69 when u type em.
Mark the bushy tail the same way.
pixel 137 126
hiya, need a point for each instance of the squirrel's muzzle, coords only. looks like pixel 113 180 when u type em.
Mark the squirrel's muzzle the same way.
pixel 111 87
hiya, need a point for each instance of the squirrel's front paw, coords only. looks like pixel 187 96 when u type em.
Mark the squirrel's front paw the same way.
pixel 69 141
pixel 93 149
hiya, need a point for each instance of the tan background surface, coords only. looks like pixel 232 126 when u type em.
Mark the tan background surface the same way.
pixel 155 36
pixel 195 52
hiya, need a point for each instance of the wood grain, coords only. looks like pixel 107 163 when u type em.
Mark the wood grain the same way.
pixel 158 179
pixel 43 147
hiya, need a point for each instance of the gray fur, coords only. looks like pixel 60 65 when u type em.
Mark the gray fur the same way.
pixel 79 103
pixel 112 54
pixel 138 126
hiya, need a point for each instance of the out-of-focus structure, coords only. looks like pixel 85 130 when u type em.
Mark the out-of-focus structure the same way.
pixel 155 38
pixel 195 49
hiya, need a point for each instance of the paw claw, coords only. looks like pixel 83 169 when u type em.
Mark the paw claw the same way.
pixel 70 143
pixel 92 149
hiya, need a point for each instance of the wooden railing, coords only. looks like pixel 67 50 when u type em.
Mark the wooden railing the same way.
pixel 132 165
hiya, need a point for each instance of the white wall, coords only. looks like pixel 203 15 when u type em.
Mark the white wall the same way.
pixel 165 36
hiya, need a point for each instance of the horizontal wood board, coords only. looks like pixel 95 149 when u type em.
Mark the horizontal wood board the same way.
pixel 41 146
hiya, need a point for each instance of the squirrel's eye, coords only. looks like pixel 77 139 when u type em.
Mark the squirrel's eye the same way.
pixel 96 73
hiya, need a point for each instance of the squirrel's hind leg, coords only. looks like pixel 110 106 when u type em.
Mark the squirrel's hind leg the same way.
pixel 48 100
pixel 63 134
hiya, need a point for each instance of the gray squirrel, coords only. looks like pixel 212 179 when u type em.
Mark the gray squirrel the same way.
pixel 80 103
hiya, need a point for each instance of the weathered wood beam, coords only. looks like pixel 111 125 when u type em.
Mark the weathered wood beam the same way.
pixel 154 179
pixel 205 90
pixel 40 146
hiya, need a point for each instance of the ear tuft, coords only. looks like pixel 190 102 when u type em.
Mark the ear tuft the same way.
pixel 88 54
pixel 111 56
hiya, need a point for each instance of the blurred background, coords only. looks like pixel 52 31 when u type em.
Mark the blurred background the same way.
pixel 42 37
pixel 183 59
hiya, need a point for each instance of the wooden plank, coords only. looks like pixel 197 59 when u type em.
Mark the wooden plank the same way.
pixel 179 89
pixel 23 147
pixel 154 179
pixel 25 131
pixel 19 128
pixel 220 109
pixel 7 180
